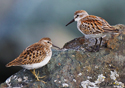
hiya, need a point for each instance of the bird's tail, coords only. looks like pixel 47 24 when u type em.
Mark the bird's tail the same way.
pixel 15 62
pixel 9 64
pixel 111 29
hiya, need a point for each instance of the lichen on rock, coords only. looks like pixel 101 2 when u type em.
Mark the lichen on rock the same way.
pixel 73 66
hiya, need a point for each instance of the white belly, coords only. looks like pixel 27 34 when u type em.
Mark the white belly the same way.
pixel 94 35
pixel 37 65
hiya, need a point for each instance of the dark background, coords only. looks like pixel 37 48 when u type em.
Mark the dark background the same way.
pixel 24 22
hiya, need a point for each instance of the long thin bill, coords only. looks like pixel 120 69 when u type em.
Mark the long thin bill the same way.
pixel 70 22
pixel 56 46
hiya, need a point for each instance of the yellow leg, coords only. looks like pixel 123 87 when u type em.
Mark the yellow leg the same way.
pixel 36 76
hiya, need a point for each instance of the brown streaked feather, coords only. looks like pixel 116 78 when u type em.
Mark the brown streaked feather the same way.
pixel 79 11
pixel 46 38
pixel 110 29
pixel 98 25
pixel 32 54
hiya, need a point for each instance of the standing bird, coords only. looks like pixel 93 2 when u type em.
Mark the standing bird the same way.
pixel 34 56
pixel 92 26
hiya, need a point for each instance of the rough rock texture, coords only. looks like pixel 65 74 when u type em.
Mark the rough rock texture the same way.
pixel 109 41
pixel 74 67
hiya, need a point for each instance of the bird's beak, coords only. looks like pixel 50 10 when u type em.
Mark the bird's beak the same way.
pixel 55 46
pixel 70 22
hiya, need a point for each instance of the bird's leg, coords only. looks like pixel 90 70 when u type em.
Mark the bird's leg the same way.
pixel 100 41
pixel 97 49
pixel 40 77
pixel 36 76
pixel 93 47
pixel 96 42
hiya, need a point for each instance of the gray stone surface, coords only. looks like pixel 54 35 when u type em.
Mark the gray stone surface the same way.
pixel 78 68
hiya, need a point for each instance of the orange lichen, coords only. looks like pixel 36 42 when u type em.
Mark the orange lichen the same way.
pixel 59 64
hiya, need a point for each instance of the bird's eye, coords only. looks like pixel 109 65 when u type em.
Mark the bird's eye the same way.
pixel 77 16
pixel 48 42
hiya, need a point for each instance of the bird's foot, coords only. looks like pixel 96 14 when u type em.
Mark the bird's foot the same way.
pixel 93 48
pixel 37 76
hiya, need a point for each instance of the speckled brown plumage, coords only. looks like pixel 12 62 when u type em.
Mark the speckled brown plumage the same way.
pixel 35 56
pixel 32 54
pixel 92 26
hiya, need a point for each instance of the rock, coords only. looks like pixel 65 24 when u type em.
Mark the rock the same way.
pixel 74 67
pixel 85 43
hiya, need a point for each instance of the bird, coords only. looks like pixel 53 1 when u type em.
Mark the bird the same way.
pixel 34 56
pixel 92 26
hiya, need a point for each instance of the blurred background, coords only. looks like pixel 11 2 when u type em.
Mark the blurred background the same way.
pixel 24 22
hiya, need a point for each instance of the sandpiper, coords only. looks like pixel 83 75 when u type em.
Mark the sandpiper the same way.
pixel 34 56
pixel 92 26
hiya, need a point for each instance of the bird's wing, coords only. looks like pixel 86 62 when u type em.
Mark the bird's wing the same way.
pixel 96 25
pixel 32 54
